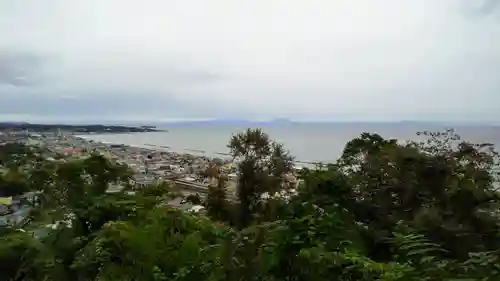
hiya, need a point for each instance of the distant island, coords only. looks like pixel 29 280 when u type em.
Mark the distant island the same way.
pixel 288 122
pixel 232 122
pixel 80 129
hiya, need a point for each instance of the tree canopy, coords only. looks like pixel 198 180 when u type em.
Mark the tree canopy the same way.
pixel 386 210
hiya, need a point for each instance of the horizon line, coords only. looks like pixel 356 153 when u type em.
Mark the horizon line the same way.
pixel 80 121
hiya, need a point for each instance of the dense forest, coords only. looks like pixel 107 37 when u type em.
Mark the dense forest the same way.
pixel 386 210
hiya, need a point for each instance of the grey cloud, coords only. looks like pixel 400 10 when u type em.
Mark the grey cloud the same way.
pixel 81 106
pixel 489 6
pixel 481 9
pixel 20 68
pixel 322 59
pixel 107 105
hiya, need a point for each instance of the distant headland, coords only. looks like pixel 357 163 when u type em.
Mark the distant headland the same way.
pixel 76 129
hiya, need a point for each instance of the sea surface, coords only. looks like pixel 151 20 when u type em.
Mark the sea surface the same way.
pixel 309 142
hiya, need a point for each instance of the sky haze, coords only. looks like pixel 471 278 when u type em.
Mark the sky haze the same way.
pixel 384 60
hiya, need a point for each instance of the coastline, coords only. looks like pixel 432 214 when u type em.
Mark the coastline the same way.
pixel 185 170
pixel 77 129
pixel 160 148
pixel 195 152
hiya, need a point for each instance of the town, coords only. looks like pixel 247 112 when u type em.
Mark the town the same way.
pixel 189 173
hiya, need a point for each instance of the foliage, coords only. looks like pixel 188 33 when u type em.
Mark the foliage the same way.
pixel 14 182
pixel 13 158
pixel 217 203
pixel 17 252
pixel 262 164
pixel 15 154
pixel 386 210
pixel 194 199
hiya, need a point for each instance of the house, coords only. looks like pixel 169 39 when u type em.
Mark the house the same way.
pixel 15 217
pixel 31 196
pixel 196 209
pixel 14 210
pixel 5 205
pixel 6 201
pixel 70 151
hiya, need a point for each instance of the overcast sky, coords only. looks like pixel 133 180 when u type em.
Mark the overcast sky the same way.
pixel 256 59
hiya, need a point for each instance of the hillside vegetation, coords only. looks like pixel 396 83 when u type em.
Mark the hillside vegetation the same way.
pixel 384 211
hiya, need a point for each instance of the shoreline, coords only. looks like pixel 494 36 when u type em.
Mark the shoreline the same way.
pixel 187 170
pixel 187 151
pixel 163 148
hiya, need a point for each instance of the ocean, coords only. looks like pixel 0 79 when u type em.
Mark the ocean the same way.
pixel 308 142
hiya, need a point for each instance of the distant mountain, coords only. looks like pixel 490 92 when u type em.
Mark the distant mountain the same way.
pixel 229 122
pixel 12 123
pixel 208 122
pixel 280 121
pixel 286 122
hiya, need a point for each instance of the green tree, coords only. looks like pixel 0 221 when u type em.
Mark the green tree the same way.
pixel 14 182
pixel 216 202
pixel 18 252
pixel 262 165
pixel 15 154
pixel 443 187
pixel 385 211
